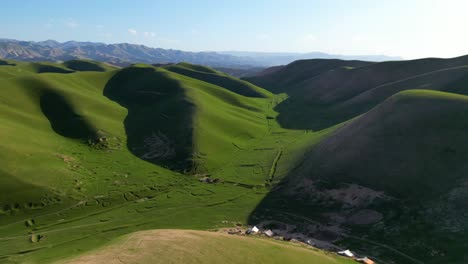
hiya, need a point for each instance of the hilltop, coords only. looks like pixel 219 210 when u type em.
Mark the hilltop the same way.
pixel 189 246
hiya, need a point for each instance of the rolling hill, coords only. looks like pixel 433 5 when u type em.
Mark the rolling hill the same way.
pixel 91 152
pixel 338 91
pixel 393 171
pixel 402 135
pixel 351 154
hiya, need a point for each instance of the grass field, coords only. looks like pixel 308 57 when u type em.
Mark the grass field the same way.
pixel 92 152
pixel 88 156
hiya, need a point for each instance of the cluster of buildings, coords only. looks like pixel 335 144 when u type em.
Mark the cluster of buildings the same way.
pixel 346 253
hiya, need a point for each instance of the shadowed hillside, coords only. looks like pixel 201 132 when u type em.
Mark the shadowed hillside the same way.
pixel 63 118
pixel 83 65
pixel 396 173
pixel 48 68
pixel 6 63
pixel 282 79
pixel 60 112
pixel 333 94
pixel 402 146
pixel 159 121
pixel 211 76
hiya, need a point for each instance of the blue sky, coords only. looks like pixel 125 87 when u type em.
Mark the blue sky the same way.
pixel 411 29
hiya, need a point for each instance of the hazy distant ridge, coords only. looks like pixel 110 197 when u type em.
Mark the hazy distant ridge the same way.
pixel 124 54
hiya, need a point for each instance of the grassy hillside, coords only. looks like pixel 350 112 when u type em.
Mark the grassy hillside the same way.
pixel 392 172
pixel 283 79
pixel 348 153
pixel 393 147
pixel 218 78
pixel 396 173
pixel 187 246
pixel 322 98
pixel 86 65
pixel 88 156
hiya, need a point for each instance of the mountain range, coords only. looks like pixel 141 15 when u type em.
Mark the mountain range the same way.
pixel 123 54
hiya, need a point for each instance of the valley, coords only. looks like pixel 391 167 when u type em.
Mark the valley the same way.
pixel 92 153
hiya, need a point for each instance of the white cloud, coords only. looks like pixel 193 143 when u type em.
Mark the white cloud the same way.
pixel 132 31
pixel 149 34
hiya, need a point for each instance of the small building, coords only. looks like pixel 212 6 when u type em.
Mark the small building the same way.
pixel 365 260
pixel 269 233
pixel 346 253
pixel 253 230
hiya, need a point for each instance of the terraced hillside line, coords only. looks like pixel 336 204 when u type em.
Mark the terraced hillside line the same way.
pixel 417 76
pixel 271 175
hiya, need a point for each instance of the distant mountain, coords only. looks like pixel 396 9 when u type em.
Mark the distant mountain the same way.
pixel 124 54
pixel 118 54
pixel 280 58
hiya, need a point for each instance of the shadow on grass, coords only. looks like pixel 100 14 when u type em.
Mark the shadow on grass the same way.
pixel 62 115
pixel 159 120
pixel 63 118
pixel 45 68
pixel 6 63
pixel 294 113
pixel 233 85
pixel 80 65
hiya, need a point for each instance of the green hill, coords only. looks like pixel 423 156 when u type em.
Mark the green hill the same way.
pixel 284 78
pixel 393 147
pixel 211 76
pixel 89 155
pixel 396 173
pixel 85 65
pixel 345 152
pixel 331 95
pixel 393 171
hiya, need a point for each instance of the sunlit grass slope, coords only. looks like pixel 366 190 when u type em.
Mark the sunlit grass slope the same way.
pixel 91 152
pixel 187 246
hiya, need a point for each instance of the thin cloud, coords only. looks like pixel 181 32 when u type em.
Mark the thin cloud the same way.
pixel 132 31
pixel 149 34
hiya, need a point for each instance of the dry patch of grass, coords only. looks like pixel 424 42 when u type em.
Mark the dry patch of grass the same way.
pixel 189 246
